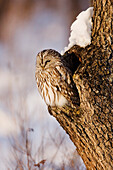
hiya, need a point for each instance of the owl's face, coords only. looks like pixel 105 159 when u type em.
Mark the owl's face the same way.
pixel 47 59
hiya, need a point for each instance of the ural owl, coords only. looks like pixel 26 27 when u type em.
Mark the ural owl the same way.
pixel 54 80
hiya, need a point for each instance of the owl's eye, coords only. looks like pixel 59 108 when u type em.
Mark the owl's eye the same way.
pixel 47 61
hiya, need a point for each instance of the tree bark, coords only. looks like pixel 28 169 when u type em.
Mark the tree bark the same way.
pixel 91 127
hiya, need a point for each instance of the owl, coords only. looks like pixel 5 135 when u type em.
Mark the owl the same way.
pixel 54 80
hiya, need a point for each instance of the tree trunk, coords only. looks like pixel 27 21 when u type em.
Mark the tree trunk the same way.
pixel 91 128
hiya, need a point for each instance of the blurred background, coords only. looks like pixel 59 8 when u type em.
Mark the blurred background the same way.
pixel 27 27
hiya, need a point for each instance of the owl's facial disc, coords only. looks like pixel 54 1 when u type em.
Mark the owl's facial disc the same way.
pixel 47 59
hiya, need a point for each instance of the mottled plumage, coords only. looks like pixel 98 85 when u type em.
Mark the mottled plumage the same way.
pixel 54 80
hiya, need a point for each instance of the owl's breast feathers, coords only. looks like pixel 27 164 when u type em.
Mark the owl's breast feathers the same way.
pixel 58 88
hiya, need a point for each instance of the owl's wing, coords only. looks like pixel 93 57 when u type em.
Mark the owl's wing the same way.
pixel 64 83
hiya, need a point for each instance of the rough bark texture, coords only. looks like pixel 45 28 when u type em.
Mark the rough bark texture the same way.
pixel 91 127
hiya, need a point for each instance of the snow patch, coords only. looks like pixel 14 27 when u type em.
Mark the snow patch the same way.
pixel 81 30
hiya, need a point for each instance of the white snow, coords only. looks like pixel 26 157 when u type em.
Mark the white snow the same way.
pixel 10 79
pixel 7 124
pixel 81 30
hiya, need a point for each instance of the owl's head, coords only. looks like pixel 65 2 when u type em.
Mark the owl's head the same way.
pixel 47 58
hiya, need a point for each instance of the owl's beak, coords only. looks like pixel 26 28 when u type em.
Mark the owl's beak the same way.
pixel 42 66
